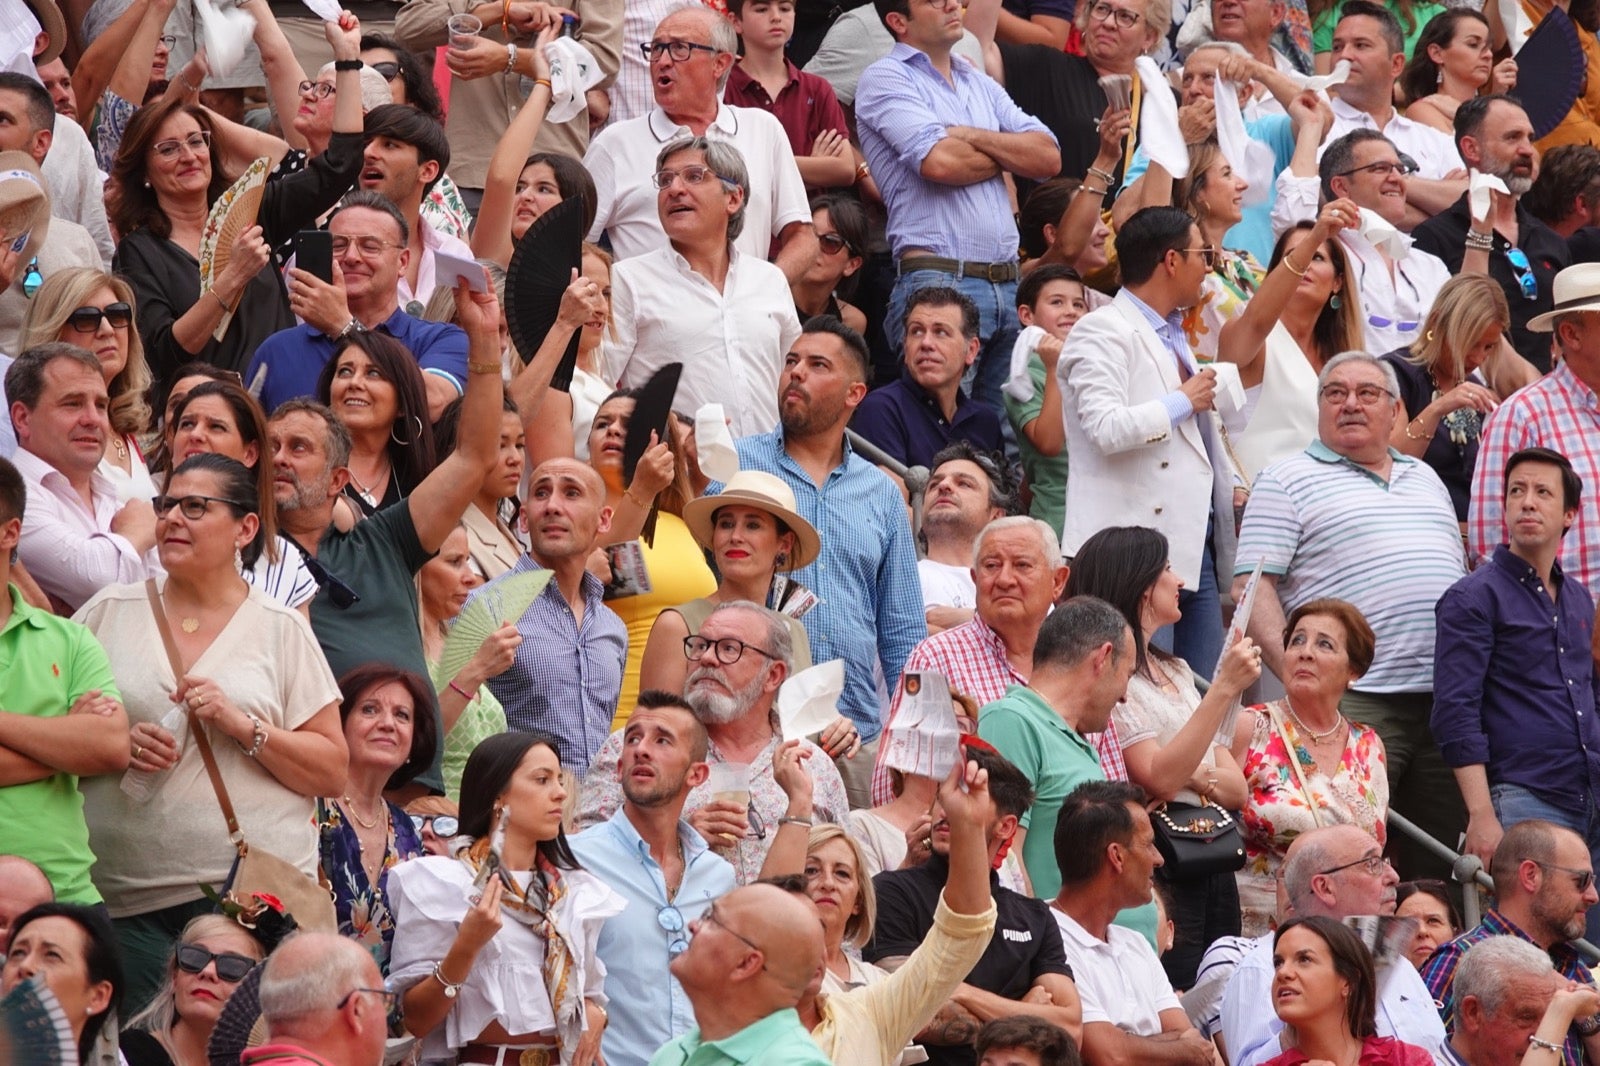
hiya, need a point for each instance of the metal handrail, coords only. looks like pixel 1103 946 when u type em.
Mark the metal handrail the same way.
pixel 914 477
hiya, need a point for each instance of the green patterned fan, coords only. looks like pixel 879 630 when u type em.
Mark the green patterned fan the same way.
pixel 503 600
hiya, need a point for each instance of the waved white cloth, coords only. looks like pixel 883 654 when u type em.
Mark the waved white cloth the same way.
pixel 326 10
pixel 1019 386
pixel 1230 397
pixel 429 896
pixel 1158 120
pixel 1321 83
pixel 1251 160
pixel 809 701
pixel 573 72
pixel 1516 23
pixel 227 32
pixel 1382 236
pixel 18 30
pixel 713 444
pixel 1479 186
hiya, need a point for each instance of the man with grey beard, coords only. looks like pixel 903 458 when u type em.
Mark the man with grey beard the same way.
pixel 738 660
pixel 1495 137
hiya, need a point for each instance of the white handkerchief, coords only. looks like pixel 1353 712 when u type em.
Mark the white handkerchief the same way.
pixel 1158 120
pixel 809 700
pixel 573 72
pixel 1251 160
pixel 1382 236
pixel 18 30
pixel 713 444
pixel 1478 188
pixel 1020 386
pixel 1230 389
pixel 326 10
pixel 226 32
pixel 1321 83
pixel 1517 24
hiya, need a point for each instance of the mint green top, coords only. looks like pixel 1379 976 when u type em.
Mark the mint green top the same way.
pixel 1047 474
pixel 776 1040
pixel 481 719
pixel 1422 13
pixel 46 663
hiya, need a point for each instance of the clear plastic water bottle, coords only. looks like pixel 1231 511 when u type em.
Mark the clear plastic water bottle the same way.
pixel 138 784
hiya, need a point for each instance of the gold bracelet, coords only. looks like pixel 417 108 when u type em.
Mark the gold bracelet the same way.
pixel 478 366
pixel 220 301
pixel 643 505
pixel 542 81
pixel 605 1019
pixel 1413 436
pixel 1292 270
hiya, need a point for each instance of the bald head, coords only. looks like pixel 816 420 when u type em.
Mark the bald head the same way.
pixel 23 886
pixel 566 512
pixel 753 952
pixel 793 932
pixel 1338 871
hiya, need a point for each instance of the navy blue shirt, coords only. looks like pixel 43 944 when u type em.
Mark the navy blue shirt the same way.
pixel 1514 681
pixel 905 420
pixel 294 357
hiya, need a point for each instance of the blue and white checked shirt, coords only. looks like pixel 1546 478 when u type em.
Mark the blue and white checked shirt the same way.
pixel 567 677
pixel 871 610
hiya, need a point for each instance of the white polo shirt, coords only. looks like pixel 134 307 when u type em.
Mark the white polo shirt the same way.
pixel 1433 151
pixel 1120 979
pixel 623 156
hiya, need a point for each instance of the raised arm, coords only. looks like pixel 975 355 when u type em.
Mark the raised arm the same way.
pixel 108 53
pixel 1077 225
pixel 491 234
pixel 282 69
pixel 131 75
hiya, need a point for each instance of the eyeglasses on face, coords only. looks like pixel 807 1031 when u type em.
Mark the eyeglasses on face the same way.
pixel 87 319
pixel 367 246
pixel 1381 170
pixel 1524 272
pixel 391 1000
pixel 198 142
pixel 832 243
pixel 444 825
pixel 194 507
pixel 1102 11
pixel 671 921
pixel 729 649
pixel 716 919
pixel 319 89
pixel 169 40
pixel 388 69
pixel 694 174
pixel 1208 255
pixel 1371 865
pixel 1366 395
pixel 231 966
pixel 1581 879
pixel 680 51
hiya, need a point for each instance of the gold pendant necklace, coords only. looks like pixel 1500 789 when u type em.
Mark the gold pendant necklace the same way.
pixel 188 625
pixel 350 806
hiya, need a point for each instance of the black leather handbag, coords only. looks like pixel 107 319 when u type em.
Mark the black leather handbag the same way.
pixel 1197 840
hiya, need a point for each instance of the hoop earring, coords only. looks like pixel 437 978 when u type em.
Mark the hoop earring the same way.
pixel 414 437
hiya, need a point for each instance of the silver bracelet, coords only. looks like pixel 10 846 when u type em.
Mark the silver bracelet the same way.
pixel 258 736
pixel 1534 1041
pixel 511 57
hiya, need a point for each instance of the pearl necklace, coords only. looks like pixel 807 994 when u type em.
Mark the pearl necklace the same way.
pixel 1316 738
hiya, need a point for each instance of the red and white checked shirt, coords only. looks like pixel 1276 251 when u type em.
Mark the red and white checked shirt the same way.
pixel 1561 413
pixel 973 660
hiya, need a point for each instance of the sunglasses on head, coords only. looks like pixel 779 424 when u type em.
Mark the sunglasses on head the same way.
pixel 87 319
pixel 231 966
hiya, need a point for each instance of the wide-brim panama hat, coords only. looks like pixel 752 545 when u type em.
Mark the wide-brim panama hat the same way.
pixel 1577 288
pixel 24 203
pixel 763 492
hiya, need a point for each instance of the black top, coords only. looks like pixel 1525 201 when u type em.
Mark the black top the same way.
pixel 139 1048
pixel 1584 245
pixel 1444 235
pixel 1452 460
pixel 1062 91
pixel 1025 946
pixel 166 278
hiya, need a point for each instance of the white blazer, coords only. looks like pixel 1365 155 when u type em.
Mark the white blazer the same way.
pixel 1127 464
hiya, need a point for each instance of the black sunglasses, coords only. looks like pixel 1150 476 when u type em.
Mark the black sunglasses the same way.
pixel 390 71
pixel 342 595
pixel 231 966
pixel 87 319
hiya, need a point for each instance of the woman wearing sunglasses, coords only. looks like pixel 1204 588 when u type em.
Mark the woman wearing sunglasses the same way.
pixel 252 675
pixel 390 734
pixel 841 225
pixel 495 952
pixel 212 956
pixel 94 310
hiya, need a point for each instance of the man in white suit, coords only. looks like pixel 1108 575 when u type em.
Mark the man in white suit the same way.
pixel 1139 421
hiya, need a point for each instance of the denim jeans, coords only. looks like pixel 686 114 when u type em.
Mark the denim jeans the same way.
pixel 997 328
pixel 1513 804
pixel 1196 638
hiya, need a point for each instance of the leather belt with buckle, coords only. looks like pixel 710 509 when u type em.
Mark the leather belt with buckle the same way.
pixel 499 1055
pixel 993 273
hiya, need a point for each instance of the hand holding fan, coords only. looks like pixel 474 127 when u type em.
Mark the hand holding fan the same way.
pixel 234 212
pixel 34 1028
pixel 540 271
pixel 502 601
pixel 651 412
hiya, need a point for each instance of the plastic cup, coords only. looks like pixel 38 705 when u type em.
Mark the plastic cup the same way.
pixel 463 29
pixel 730 781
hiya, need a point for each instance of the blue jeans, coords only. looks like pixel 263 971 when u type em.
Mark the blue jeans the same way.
pixel 1513 804
pixel 1196 638
pixel 997 328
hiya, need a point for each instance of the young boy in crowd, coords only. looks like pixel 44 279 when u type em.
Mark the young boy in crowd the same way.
pixel 1051 298
pixel 1023 1040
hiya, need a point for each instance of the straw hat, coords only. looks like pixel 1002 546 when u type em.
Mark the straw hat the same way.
pixel 764 492
pixel 1577 288
pixel 24 202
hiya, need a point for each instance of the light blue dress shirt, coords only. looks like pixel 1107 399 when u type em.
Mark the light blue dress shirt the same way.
pixel 634 945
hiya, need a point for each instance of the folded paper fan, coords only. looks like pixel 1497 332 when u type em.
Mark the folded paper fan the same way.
pixel 34 1029
pixel 540 271
pixel 1553 67
pixel 500 602
pixel 234 212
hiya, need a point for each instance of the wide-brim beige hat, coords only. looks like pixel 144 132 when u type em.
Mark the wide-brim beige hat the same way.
pixel 24 203
pixel 763 492
pixel 52 23
pixel 1577 288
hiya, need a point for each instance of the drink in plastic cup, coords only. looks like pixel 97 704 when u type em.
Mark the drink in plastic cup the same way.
pixel 730 781
pixel 463 29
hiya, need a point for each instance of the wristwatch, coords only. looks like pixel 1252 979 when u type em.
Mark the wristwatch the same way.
pixel 351 328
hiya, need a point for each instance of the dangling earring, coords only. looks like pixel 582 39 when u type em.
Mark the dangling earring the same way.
pixel 780 559
pixel 1440 79
pixel 238 558
pixel 1334 301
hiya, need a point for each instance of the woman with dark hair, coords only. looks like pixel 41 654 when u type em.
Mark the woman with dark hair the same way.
pixel 373 384
pixel 388 721
pixel 1453 61
pixel 409 82
pixel 211 957
pixel 842 234
pixel 1438 920
pixel 475 931
pixel 1326 994
pixel 167 176
pixel 1305 765
pixel 252 675
pixel 1175 742
pixel 221 417
pixel 494 545
pixel 72 949
pixel 564 418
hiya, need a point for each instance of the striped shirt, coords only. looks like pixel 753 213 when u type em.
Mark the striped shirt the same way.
pixel 1561 413
pixel 1329 527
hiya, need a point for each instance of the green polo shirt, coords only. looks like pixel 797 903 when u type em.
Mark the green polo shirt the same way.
pixel 776 1040
pixel 46 663
pixel 1056 758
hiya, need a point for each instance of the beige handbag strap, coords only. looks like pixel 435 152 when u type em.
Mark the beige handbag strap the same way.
pixel 1294 761
pixel 196 728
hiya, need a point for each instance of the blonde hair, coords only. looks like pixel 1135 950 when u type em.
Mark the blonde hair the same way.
pixel 1186 191
pixel 858 927
pixel 1157 17
pixel 1467 305
pixel 62 293
pixel 161 1013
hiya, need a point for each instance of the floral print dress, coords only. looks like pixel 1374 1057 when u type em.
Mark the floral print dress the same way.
pixel 363 911
pixel 1277 810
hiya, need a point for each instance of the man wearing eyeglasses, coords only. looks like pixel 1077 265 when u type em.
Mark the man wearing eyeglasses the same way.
pixel 1495 137
pixel 1352 518
pixel 666 870
pixel 1543 888
pixel 324 1004
pixel 1336 871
